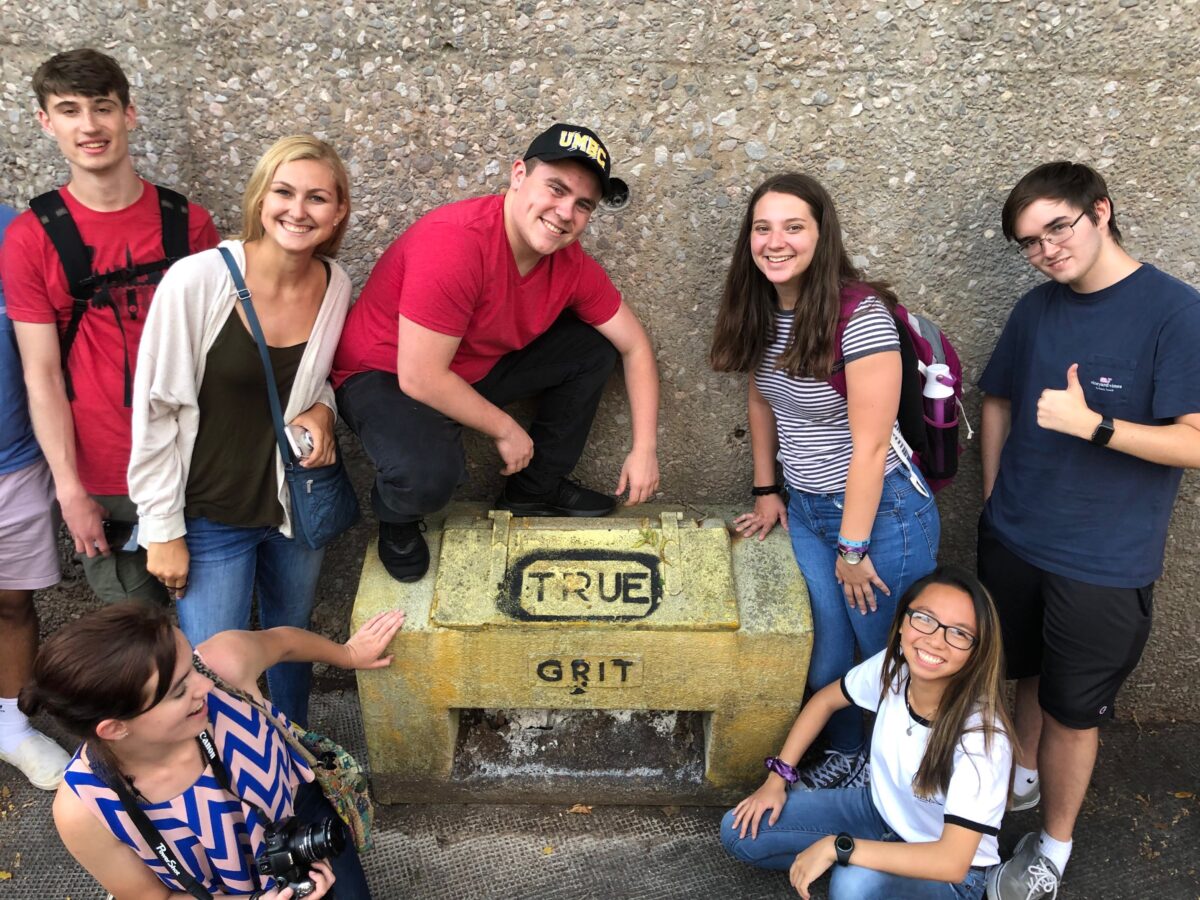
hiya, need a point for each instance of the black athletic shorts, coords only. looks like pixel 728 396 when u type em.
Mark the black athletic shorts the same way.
pixel 1082 639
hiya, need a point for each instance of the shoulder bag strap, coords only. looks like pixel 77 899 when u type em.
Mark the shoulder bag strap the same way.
pixel 153 837
pixel 243 293
pixel 288 734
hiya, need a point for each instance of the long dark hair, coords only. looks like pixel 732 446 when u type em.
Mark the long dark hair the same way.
pixel 745 320
pixel 976 688
pixel 96 668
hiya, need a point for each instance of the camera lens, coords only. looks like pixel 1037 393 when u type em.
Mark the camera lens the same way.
pixel 320 840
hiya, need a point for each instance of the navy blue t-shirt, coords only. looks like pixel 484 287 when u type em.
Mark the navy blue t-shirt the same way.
pixel 18 447
pixel 1060 503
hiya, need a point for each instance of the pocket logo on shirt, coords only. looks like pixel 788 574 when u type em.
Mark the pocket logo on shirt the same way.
pixel 1106 384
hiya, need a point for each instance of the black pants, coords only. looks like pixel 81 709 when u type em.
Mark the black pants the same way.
pixel 418 452
pixel 311 806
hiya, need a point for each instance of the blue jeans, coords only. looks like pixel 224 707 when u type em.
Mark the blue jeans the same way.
pixel 228 564
pixel 809 816
pixel 904 546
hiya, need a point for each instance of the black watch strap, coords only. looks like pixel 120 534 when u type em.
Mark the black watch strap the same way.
pixel 1103 432
pixel 843 844
pixel 766 489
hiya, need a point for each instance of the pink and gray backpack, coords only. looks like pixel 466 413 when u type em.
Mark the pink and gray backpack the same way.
pixel 930 398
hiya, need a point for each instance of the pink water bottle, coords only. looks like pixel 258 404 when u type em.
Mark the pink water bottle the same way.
pixel 941 411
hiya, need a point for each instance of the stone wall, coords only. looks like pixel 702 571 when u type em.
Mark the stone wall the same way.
pixel 918 116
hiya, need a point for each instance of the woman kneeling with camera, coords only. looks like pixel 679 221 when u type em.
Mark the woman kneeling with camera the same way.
pixel 181 788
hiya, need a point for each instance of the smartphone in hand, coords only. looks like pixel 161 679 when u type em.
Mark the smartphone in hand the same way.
pixel 300 440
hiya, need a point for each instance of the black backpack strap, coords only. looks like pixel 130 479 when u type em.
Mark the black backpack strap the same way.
pixel 74 255
pixel 76 260
pixel 173 207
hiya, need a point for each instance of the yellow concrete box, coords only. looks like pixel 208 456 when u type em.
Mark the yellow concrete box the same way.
pixel 653 609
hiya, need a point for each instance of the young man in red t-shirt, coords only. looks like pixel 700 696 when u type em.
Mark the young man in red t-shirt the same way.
pixel 496 301
pixel 84 105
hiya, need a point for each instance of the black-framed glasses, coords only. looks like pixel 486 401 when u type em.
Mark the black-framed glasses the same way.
pixel 1055 234
pixel 927 624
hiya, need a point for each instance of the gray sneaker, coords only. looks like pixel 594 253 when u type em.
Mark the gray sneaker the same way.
pixel 1030 797
pixel 835 770
pixel 1027 876
pixel 861 778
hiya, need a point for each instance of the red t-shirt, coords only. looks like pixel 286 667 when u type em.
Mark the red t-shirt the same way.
pixel 35 287
pixel 453 272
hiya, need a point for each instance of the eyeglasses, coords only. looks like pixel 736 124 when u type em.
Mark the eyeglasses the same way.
pixel 1055 234
pixel 927 624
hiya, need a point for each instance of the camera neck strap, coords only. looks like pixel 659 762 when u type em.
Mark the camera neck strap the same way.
pixel 153 837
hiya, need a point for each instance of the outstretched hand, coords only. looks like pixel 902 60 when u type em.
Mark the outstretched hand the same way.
pixel 1066 411
pixel 372 639
pixel 768 509
pixel 640 475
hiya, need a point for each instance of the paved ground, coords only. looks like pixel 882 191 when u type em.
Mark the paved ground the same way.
pixel 1139 838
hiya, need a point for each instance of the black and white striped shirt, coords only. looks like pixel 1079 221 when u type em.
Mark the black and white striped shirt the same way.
pixel 811 417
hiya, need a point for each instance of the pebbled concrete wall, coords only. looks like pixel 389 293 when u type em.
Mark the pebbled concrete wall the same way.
pixel 917 115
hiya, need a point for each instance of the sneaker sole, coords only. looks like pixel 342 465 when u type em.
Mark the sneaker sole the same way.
pixel 406 571
pixel 541 509
pixel 993 876
pixel 1029 803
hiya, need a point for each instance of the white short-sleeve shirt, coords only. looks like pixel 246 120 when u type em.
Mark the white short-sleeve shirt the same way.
pixel 979 783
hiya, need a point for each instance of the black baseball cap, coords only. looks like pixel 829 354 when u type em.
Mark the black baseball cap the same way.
pixel 562 141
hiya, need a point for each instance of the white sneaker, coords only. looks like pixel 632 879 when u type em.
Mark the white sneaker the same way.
pixel 40 760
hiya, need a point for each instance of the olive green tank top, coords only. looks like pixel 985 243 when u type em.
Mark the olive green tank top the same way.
pixel 232 478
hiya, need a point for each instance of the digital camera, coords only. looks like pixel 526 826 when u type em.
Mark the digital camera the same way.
pixel 291 847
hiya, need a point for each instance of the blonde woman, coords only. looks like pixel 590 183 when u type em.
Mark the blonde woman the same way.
pixel 205 472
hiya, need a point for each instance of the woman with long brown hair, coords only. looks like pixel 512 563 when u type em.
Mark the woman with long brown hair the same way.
pixel 207 769
pixel 795 313
pixel 941 758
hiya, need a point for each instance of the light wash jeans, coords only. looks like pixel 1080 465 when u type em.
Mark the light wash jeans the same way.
pixel 904 546
pixel 228 564
pixel 809 816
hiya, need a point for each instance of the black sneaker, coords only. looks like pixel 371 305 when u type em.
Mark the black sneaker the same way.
pixel 567 499
pixel 403 551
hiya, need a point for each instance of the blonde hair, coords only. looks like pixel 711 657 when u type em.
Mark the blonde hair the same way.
pixel 285 150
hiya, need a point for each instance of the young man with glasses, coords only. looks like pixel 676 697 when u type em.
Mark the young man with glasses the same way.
pixel 1091 413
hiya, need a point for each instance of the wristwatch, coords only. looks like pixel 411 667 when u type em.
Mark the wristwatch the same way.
pixel 852 557
pixel 1103 432
pixel 844 845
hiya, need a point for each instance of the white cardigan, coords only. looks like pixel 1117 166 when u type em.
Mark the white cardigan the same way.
pixel 190 308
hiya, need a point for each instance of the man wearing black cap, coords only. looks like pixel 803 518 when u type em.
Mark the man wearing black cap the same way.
pixel 496 301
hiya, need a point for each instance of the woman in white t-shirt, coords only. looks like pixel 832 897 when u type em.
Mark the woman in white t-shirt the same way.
pixel 823 351
pixel 941 757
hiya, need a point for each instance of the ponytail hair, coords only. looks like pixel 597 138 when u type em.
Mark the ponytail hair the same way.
pixel 975 689
pixel 97 667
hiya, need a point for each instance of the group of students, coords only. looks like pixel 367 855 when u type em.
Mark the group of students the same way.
pixel 149 424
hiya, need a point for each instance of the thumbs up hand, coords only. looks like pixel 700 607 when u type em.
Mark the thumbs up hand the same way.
pixel 1066 411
